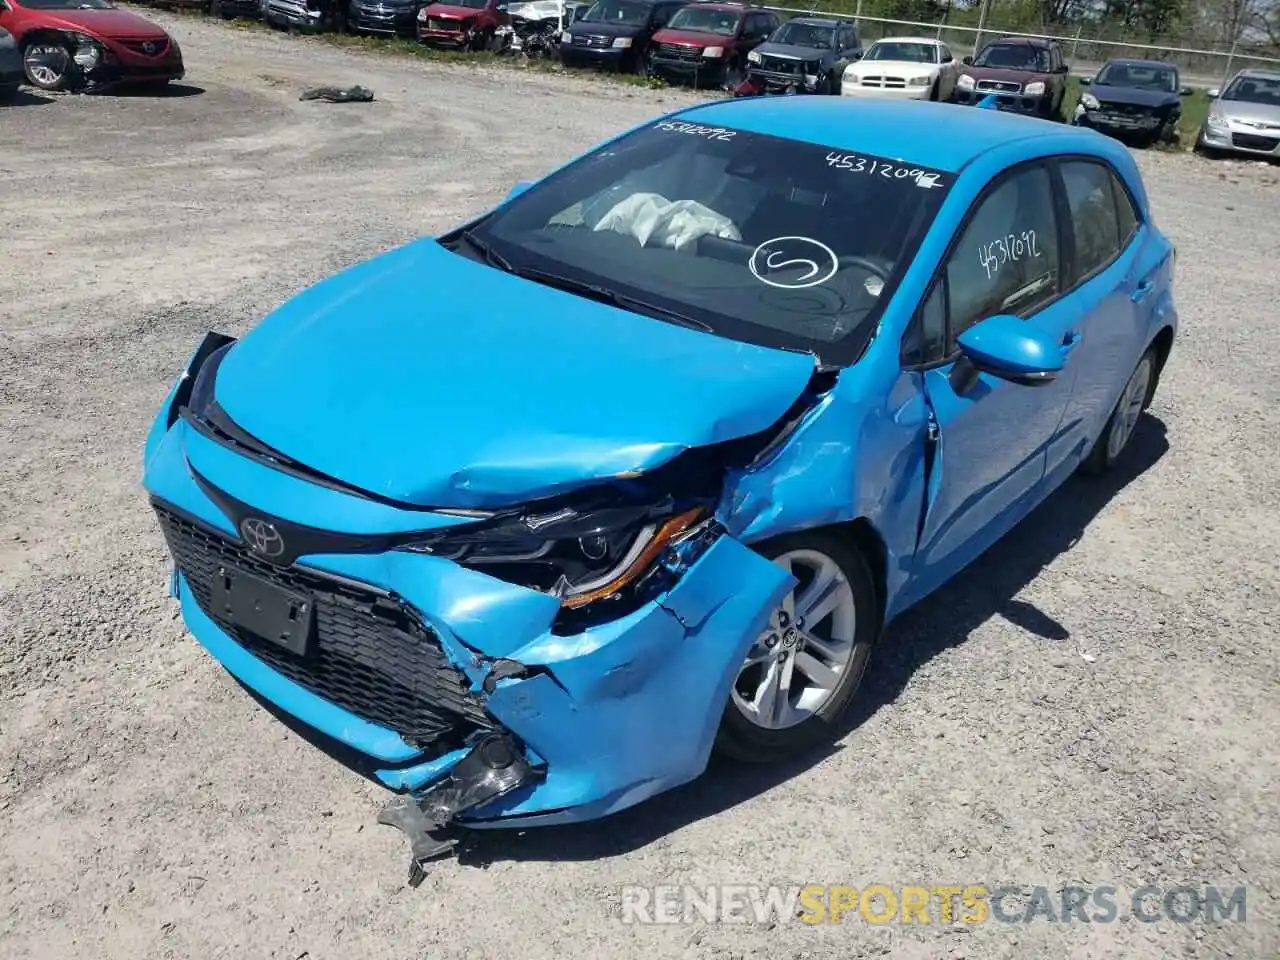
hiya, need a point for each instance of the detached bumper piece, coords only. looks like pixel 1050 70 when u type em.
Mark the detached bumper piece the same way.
pixel 495 766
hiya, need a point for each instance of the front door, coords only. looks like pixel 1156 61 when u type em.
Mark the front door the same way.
pixel 992 436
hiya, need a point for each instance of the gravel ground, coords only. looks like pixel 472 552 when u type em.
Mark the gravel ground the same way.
pixel 1090 705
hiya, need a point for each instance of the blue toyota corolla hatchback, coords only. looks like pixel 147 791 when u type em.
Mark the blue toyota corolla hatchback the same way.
pixel 525 519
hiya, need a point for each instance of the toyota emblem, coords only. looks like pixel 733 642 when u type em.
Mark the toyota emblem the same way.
pixel 262 537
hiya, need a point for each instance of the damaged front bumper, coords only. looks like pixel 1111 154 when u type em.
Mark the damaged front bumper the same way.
pixel 585 723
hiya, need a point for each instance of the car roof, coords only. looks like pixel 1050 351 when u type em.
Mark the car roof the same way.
pixel 1259 73
pixel 941 136
pixel 929 40
pixel 817 21
pixel 1126 61
pixel 727 7
pixel 1021 41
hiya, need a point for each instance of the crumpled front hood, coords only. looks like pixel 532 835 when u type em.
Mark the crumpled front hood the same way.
pixel 428 378
pixel 456 13
pixel 791 51
pixel 1130 96
pixel 1006 75
pixel 109 24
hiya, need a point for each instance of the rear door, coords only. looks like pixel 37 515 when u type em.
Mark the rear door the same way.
pixel 991 436
pixel 1108 278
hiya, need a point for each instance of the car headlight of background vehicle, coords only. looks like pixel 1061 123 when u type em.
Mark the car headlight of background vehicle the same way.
pixel 1089 101
pixel 422 14
pixel 964 81
pixel 580 556
pixel 621 43
pixel 713 52
pixel 1034 89
pixel 1217 122
pixel 919 81
pixel 754 57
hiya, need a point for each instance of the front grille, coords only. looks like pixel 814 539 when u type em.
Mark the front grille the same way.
pixel 679 51
pixel 1251 141
pixel 891 83
pixel 592 41
pixel 369 655
pixel 158 48
pixel 779 65
pixel 440 23
pixel 998 86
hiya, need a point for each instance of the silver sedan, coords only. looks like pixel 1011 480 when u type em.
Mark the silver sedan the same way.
pixel 1245 117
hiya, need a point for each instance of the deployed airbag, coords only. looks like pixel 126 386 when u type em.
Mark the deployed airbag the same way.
pixel 668 223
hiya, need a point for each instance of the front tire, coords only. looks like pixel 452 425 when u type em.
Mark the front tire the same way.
pixel 1134 399
pixel 802 671
pixel 49 66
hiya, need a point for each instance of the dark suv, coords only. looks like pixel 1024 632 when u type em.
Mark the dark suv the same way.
pixel 616 33
pixel 1024 75
pixel 804 55
pixel 709 43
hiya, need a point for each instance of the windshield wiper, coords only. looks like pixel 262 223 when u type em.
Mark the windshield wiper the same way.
pixel 491 257
pixel 614 298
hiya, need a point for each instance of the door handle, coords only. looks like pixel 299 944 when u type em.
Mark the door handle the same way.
pixel 1141 290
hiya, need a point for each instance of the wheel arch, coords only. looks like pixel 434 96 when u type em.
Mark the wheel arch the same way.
pixel 45 34
pixel 1162 346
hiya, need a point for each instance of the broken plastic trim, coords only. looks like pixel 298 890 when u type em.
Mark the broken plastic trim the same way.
pixel 495 766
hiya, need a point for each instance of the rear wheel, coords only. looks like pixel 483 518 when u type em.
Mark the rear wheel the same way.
pixel 804 668
pixel 49 65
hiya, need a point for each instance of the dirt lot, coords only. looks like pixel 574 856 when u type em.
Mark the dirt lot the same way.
pixel 1091 705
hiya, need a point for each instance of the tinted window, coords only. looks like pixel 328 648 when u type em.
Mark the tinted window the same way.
pixel 1014 56
pixel 764 239
pixel 1093 214
pixel 701 20
pixel 799 34
pixel 1126 212
pixel 1006 260
pixel 630 13
pixel 1144 76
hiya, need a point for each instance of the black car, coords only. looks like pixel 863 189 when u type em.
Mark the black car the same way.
pixel 615 33
pixel 804 55
pixel 232 9
pixel 386 17
pixel 1141 99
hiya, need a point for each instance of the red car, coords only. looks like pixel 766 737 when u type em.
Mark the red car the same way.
pixel 71 44
pixel 464 24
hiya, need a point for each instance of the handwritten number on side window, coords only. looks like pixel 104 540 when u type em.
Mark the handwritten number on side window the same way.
pixel 1012 247
pixel 696 130
pixel 881 168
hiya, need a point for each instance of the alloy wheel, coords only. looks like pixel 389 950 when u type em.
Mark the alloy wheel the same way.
pixel 798 660
pixel 46 64
pixel 1129 409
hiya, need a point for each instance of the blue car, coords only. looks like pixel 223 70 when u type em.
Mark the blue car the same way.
pixel 524 520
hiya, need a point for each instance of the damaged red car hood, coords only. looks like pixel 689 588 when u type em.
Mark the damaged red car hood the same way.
pixel 1005 75
pixel 695 38
pixel 428 378
pixel 110 24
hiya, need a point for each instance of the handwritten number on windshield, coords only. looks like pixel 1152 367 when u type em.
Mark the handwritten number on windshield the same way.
pixel 696 130
pixel 1010 247
pixel 882 168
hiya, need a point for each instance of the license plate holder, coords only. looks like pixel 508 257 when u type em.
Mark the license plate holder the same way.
pixel 285 618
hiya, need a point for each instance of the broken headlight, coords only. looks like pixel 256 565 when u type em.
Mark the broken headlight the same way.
pixel 579 556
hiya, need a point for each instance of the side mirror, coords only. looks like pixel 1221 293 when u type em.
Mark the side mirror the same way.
pixel 1009 348
pixel 519 188
pixel 1085 81
pixel 1214 93
pixel 967 61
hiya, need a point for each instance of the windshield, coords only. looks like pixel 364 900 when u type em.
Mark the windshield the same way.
pixel 67 4
pixel 900 50
pixel 1264 90
pixel 472 4
pixel 1014 56
pixel 758 238
pixel 701 20
pixel 626 13
pixel 804 35
pixel 1144 76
